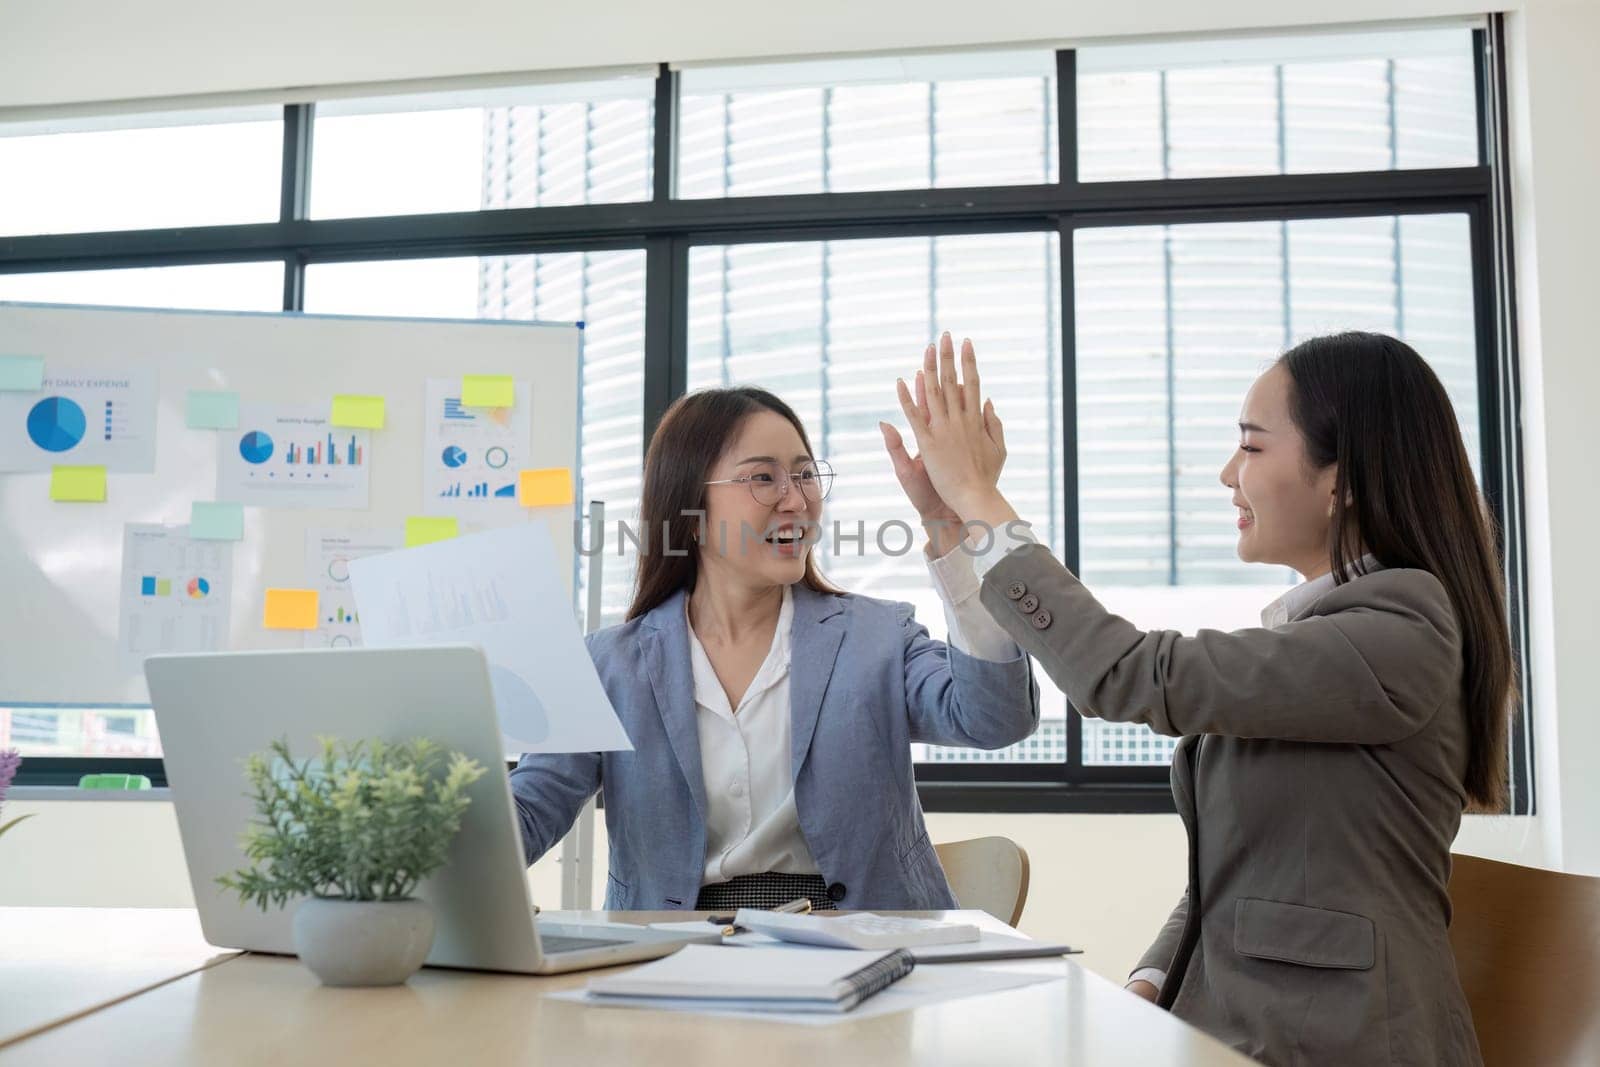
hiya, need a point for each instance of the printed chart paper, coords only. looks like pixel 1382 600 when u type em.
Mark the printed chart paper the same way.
pixel 471 456
pixel 291 456
pixel 81 418
pixel 501 590
pixel 175 592
pixel 328 557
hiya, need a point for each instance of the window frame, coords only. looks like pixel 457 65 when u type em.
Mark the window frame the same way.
pixel 666 229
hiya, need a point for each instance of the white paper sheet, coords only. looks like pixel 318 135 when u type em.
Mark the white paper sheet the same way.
pixel 289 456
pixel 995 946
pixel 175 592
pixel 328 556
pixel 81 418
pixel 501 590
pixel 923 986
pixel 471 456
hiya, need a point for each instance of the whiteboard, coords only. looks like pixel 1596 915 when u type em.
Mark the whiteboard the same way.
pixel 61 563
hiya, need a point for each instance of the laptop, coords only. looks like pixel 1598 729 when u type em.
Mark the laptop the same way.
pixel 213 710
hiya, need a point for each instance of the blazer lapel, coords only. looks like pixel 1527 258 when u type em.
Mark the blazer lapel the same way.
pixel 665 645
pixel 819 625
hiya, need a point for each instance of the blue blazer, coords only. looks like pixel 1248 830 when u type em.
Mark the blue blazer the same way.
pixel 866 682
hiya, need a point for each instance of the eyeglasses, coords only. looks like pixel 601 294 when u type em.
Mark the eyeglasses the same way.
pixel 769 483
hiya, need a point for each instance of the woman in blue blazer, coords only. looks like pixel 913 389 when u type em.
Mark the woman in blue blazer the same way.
pixel 772 715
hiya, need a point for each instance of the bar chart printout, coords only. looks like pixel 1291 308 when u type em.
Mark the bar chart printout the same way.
pixel 328 557
pixel 289 456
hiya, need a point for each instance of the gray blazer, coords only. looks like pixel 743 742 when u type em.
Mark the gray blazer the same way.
pixel 1320 781
pixel 866 682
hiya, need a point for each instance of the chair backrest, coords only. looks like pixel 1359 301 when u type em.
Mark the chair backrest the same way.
pixel 1527 946
pixel 989 873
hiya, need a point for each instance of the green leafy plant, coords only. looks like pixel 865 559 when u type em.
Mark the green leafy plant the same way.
pixel 369 820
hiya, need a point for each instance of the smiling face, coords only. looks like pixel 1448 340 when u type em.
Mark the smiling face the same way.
pixel 1285 507
pixel 765 446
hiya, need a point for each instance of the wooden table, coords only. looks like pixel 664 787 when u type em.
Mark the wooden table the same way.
pixel 255 1009
pixel 60 963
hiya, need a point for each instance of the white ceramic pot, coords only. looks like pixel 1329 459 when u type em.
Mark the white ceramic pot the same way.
pixel 362 942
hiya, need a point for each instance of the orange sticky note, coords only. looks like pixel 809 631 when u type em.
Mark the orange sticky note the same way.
pixel 79 485
pixel 547 487
pixel 426 529
pixel 290 609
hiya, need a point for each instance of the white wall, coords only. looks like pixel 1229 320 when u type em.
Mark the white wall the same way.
pixel 1554 98
pixel 1103 880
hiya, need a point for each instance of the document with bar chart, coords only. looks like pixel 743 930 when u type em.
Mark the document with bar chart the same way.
pixel 81 418
pixel 328 556
pixel 175 592
pixel 503 591
pixel 471 456
pixel 289 456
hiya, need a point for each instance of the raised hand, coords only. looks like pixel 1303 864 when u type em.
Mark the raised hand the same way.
pixel 960 440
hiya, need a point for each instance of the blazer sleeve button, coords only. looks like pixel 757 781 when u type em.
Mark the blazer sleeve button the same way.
pixel 836 892
pixel 1028 604
pixel 1041 618
pixel 1015 591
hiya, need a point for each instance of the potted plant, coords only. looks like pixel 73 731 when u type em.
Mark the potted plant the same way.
pixel 353 833
pixel 10 760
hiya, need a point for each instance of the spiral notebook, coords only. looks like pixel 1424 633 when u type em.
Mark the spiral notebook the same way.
pixel 770 979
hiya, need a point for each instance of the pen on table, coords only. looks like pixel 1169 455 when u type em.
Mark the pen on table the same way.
pixel 798 906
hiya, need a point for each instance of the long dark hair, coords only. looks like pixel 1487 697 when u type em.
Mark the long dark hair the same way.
pixel 1405 492
pixel 691 437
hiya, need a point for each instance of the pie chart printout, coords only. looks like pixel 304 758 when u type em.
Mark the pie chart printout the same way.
pixel 255 447
pixel 56 424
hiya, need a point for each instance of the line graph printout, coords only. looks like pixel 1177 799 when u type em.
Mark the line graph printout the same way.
pixel 502 591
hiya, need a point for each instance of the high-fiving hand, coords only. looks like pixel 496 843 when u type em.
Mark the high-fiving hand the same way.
pixel 961 443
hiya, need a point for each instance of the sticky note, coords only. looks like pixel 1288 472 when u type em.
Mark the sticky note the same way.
pixel 216 520
pixel 488 391
pixel 85 485
pixel 213 410
pixel 362 412
pixel 25 373
pixel 544 488
pixel 426 529
pixel 290 609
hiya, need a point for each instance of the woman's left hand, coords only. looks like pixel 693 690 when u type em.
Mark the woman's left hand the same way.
pixel 961 443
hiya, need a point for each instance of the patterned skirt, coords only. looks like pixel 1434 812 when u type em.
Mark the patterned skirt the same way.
pixel 765 891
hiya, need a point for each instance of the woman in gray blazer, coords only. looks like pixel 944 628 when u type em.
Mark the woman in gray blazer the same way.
pixel 771 715
pixel 1327 756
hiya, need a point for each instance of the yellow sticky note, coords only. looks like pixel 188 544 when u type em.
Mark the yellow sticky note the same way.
pixel 83 485
pixel 426 529
pixel 290 609
pixel 544 488
pixel 488 391
pixel 362 412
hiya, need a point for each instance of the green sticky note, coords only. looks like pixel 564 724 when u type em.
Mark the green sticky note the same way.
pixel 23 373
pixel 213 410
pixel 488 391
pixel 426 529
pixel 361 412
pixel 81 485
pixel 216 520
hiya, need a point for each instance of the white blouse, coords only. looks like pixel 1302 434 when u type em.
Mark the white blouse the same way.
pixel 751 823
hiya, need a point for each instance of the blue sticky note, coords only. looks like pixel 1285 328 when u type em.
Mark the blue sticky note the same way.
pixel 23 373
pixel 215 520
pixel 213 411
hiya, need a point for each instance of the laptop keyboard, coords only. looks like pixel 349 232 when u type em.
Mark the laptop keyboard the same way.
pixel 572 944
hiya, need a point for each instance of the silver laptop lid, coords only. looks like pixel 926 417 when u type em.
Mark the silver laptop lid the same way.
pixel 213 710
